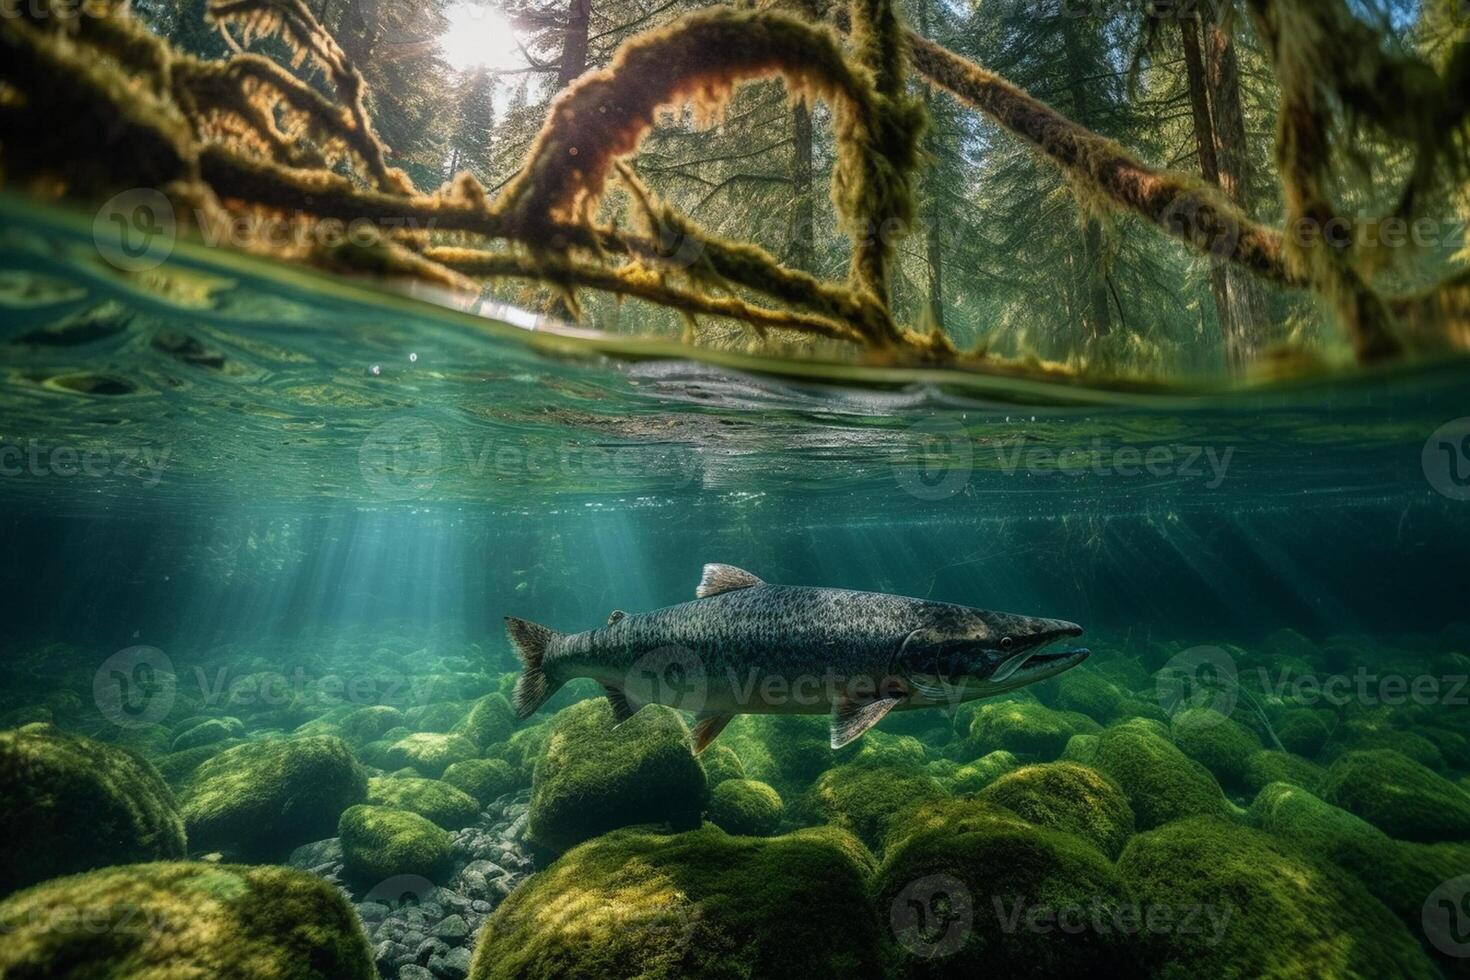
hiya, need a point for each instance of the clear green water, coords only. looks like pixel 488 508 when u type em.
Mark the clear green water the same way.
pixel 251 472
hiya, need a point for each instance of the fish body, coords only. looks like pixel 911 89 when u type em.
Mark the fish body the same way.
pixel 744 646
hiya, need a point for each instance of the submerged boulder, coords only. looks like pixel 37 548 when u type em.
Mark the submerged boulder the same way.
pixel 1401 797
pixel 1219 743
pixel 592 777
pixel 1069 797
pixel 208 732
pixel 972 890
pixel 972 777
pixel 484 779
pixel 259 800
pixel 695 904
pixel 1026 728
pixel 184 920
pixel 1268 766
pixel 490 721
pixel 745 806
pixel 429 753
pixel 380 842
pixel 69 804
pixel 866 798
pixel 1263 909
pixel 1161 782
pixel 440 802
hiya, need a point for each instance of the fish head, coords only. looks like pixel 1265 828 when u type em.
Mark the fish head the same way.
pixel 975 653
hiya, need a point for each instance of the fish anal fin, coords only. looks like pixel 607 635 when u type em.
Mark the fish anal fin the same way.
pixel 615 616
pixel 851 718
pixel 623 708
pixel 707 728
pixel 724 578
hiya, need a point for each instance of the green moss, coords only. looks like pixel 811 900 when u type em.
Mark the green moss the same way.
pixel 1002 886
pixel 1278 912
pixel 208 733
pixel 696 904
pixel 1088 692
pixel 484 779
pixel 183 920
pixel 1069 797
pixel 1399 796
pixel 1304 732
pixel 366 724
pixel 429 753
pixel 866 798
pixel 440 802
pixel 380 842
pixel 1411 744
pixel 1026 728
pixel 177 767
pixel 1080 749
pixel 592 778
pixel 260 799
pixel 721 763
pixel 490 721
pixel 1221 744
pixel 1161 782
pixel 68 804
pixel 1269 766
pixel 439 717
pixel 1294 816
pixel 975 776
pixel 523 748
pixel 745 806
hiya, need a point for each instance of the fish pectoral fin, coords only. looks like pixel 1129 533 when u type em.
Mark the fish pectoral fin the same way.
pixel 707 728
pixel 851 718
pixel 623 708
pixel 1009 667
pixel 724 578
pixel 616 615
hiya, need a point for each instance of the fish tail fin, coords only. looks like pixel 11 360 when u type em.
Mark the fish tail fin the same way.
pixel 534 686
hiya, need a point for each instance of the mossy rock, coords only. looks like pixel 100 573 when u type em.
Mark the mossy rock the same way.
pixel 259 800
pixel 1269 766
pixel 490 721
pixel 745 806
pixel 69 804
pixel 209 732
pixel 177 767
pixel 364 725
pixel 1293 816
pixel 1004 890
pixel 1088 692
pixel 1027 728
pixel 429 753
pixel 523 748
pixel 721 763
pixel 1069 797
pixel 437 718
pixel 1161 782
pixel 173 920
pixel 486 780
pixel 866 799
pixel 380 842
pixel 972 777
pixel 1134 708
pixel 1270 909
pixel 1304 732
pixel 440 802
pixel 885 748
pixel 1411 744
pixel 1401 797
pixel 696 904
pixel 1219 743
pixel 592 777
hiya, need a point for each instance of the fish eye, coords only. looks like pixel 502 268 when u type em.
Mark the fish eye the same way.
pixel 1006 642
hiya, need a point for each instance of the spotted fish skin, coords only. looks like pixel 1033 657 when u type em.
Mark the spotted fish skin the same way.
pixel 749 647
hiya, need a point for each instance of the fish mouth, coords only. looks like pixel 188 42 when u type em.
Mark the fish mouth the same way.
pixel 1042 664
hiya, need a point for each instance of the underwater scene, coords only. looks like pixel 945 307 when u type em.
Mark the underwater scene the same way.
pixel 663 489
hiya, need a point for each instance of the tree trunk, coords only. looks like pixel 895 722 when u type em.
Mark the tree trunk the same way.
pixel 1248 312
pixel 801 220
pixel 1204 140
pixel 574 46
pixel 1089 278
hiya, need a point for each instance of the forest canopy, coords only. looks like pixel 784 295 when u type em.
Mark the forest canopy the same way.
pixel 1102 186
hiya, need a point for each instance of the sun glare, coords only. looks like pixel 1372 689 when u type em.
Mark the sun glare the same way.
pixel 479 36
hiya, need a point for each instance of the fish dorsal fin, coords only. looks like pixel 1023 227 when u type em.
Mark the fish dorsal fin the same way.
pixel 707 728
pixel 724 578
pixel 616 615
pixel 851 718
pixel 1009 667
